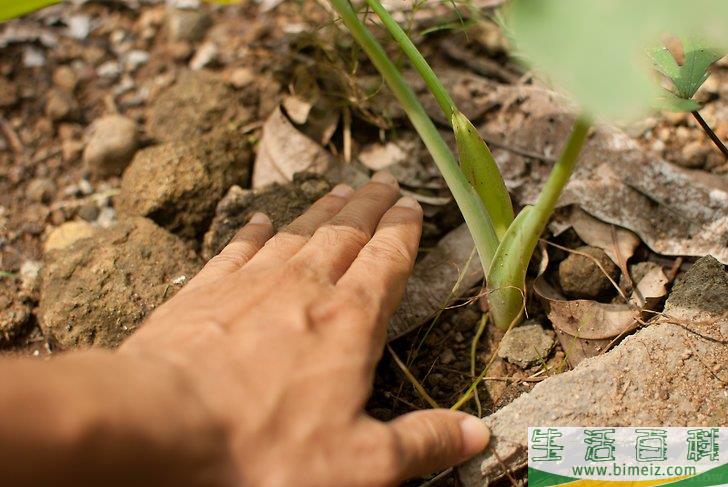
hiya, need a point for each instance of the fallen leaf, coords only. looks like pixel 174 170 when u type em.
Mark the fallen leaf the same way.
pixel 618 243
pixel 586 328
pixel 284 151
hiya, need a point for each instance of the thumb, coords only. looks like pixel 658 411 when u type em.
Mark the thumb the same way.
pixel 436 439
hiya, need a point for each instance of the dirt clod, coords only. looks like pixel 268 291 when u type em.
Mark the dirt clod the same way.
pixel 282 203
pixel 196 104
pixel 581 277
pixel 527 344
pixel 98 290
pixel 178 184
pixel 15 309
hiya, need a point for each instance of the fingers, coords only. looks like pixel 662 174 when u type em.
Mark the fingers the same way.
pixel 378 275
pixel 335 245
pixel 244 245
pixel 436 439
pixel 290 240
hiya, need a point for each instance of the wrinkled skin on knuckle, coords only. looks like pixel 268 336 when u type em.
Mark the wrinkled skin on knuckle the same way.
pixel 236 259
pixel 388 250
pixel 351 234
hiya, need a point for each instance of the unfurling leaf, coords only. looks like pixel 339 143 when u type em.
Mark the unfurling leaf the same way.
pixel 481 171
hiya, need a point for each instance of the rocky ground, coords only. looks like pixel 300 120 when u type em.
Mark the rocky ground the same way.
pixel 137 136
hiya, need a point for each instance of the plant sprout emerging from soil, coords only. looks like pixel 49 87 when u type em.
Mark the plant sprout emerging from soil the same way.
pixel 553 34
pixel 504 242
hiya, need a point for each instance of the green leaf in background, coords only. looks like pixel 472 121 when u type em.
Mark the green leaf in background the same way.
pixel 595 49
pixel 689 77
pixel 481 170
pixel 10 9
pixel 672 103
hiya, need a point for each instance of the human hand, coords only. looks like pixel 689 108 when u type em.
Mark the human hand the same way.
pixel 278 337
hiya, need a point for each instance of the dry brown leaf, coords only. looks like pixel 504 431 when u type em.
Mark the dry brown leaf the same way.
pixel 284 151
pixel 587 328
pixel 618 243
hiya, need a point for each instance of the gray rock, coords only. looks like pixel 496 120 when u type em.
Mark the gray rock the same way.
pixel 98 291
pixel 178 184
pixel 581 277
pixel 527 344
pixel 672 373
pixel 703 290
pixel 113 141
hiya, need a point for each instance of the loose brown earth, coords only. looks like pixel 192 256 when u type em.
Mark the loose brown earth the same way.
pixel 92 240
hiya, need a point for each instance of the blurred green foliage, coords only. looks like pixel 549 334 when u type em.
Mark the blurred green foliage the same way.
pixel 598 51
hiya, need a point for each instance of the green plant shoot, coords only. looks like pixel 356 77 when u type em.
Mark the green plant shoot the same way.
pixel 564 41
pixel 504 263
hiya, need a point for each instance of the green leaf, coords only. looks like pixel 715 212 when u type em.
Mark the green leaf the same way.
pixel 595 50
pixel 673 103
pixel 689 77
pixel 481 171
pixel 506 280
pixel 10 9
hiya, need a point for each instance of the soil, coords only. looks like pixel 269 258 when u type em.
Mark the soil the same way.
pixel 199 86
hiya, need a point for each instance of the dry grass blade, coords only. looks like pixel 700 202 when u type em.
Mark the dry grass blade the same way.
pixel 413 380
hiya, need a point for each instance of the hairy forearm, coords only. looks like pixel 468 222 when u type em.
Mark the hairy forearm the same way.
pixel 96 418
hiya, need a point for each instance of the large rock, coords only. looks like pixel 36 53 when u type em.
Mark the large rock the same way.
pixel 97 291
pixel 673 373
pixel 281 202
pixel 112 143
pixel 195 104
pixel 178 184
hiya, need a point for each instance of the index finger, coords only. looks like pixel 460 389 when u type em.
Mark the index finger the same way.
pixel 379 274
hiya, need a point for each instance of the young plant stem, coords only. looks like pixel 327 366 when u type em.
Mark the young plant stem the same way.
pixel 506 280
pixel 476 161
pixel 415 57
pixel 709 131
pixel 467 199
pixel 560 174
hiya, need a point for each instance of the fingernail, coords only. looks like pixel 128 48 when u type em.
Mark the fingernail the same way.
pixel 408 202
pixel 259 219
pixel 342 190
pixel 385 178
pixel 475 435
